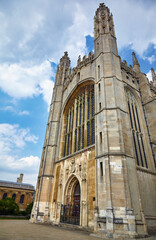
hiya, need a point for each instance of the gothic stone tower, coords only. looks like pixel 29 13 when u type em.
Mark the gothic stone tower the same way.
pixel 98 163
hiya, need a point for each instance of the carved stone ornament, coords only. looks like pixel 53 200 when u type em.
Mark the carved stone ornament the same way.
pixel 84 203
pixel 73 166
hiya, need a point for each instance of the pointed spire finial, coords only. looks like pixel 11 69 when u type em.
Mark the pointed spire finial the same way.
pixel 136 64
pixel 153 73
pixel 153 76
pixel 135 60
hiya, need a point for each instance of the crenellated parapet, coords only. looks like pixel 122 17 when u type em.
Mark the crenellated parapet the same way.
pixel 85 60
pixel 80 63
pixel 128 69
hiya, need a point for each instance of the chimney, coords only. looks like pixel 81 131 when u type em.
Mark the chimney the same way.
pixel 20 179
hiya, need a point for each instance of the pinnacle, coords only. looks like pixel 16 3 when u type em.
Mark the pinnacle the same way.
pixel 135 60
pixel 153 74
pixel 102 7
pixel 66 53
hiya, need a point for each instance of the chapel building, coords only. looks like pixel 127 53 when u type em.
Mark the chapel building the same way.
pixel 98 163
pixel 22 193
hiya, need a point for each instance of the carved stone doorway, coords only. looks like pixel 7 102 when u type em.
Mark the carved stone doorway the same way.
pixel 70 211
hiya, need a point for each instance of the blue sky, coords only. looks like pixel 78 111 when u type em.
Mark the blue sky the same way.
pixel 34 35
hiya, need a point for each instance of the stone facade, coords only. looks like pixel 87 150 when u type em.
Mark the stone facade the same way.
pixel 101 136
pixel 22 193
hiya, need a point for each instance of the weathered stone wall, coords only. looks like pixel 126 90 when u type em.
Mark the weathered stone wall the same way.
pixel 147 186
pixel 81 166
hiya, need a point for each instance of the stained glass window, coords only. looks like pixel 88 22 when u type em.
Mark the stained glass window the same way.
pixel 138 138
pixel 79 121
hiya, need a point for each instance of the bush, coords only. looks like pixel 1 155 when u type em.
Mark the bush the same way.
pixel 29 208
pixel 8 207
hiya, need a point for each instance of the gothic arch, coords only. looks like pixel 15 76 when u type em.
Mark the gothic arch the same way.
pixel 138 128
pixel 69 188
pixel 85 82
pixel 78 121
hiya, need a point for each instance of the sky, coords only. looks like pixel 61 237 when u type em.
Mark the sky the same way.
pixel 34 35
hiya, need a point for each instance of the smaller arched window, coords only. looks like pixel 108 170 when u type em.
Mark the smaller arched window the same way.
pixel 22 199
pixel 136 128
pixel 4 195
pixel 14 196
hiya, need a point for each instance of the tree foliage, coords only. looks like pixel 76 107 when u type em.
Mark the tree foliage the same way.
pixel 29 208
pixel 8 207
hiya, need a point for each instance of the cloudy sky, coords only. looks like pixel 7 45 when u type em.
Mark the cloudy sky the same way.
pixel 33 37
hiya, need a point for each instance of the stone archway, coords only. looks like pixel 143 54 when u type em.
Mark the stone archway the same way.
pixel 70 211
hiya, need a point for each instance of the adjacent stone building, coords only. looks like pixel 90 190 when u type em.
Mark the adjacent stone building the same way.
pixel 22 193
pixel 98 162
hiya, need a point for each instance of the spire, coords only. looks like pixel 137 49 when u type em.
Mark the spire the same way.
pixel 153 77
pixel 136 64
pixel 103 21
pixel 153 74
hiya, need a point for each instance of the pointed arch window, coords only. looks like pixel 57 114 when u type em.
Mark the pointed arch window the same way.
pixel 14 196
pixel 79 121
pixel 22 199
pixel 137 133
pixel 4 196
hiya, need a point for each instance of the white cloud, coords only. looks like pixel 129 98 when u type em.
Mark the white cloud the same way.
pixel 24 162
pixel 23 81
pixel 24 112
pixel 151 59
pixel 134 23
pixel 149 75
pixel 13 139
pixel 12 136
pixel 44 30
pixel 34 31
pixel 12 109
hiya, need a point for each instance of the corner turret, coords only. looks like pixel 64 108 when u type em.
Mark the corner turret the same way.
pixel 63 69
pixel 103 21
pixel 104 33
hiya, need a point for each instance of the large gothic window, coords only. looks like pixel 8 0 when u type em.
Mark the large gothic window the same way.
pixel 79 121
pixel 136 128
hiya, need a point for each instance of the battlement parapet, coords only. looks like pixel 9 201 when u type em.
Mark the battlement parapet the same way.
pixel 80 63
pixel 128 69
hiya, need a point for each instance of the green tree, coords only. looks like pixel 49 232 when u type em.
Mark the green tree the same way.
pixel 29 208
pixel 8 207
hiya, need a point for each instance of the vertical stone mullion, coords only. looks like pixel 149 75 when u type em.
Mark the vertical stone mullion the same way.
pixel 74 124
pixel 85 122
pixel 141 147
pixel 71 130
pixel 139 135
pixel 132 117
pixel 136 118
pixel 135 133
pixel 140 152
pixel 90 119
pixel 137 147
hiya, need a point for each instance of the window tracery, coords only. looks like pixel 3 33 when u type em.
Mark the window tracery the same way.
pixel 137 133
pixel 79 121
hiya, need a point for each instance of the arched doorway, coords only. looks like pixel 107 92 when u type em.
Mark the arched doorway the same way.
pixel 70 211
